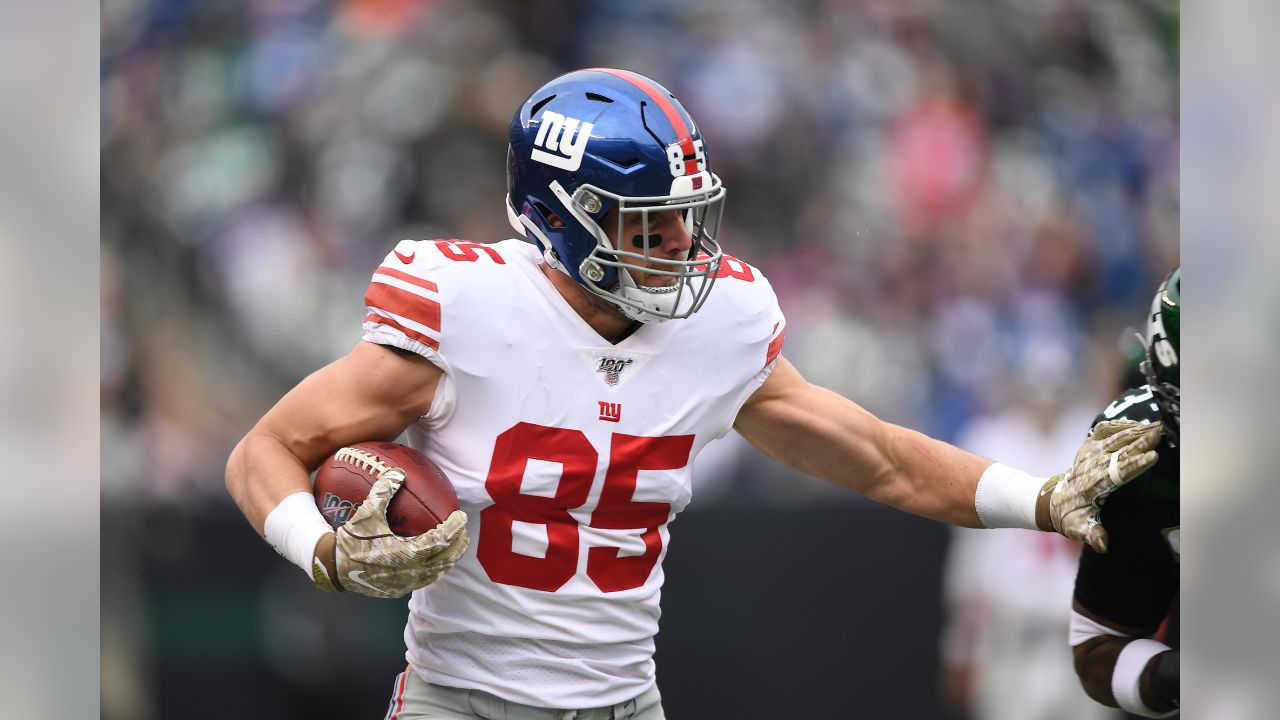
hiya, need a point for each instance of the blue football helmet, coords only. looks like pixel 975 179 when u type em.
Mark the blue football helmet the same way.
pixel 598 139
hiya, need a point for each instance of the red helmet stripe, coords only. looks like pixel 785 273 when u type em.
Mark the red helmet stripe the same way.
pixel 673 116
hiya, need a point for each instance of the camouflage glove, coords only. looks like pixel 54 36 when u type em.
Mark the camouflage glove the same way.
pixel 372 560
pixel 1116 452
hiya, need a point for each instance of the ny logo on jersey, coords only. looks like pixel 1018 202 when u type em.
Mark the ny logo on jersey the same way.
pixel 337 510
pixel 556 145
pixel 612 368
pixel 612 412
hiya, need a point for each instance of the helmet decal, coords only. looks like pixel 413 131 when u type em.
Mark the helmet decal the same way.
pixel 1158 337
pixel 557 145
pixel 682 164
pixel 1163 325
pixel 1160 367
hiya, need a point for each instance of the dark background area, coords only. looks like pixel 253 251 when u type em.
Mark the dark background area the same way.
pixel 767 613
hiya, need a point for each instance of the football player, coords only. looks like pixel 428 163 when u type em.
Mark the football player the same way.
pixel 1123 597
pixel 565 382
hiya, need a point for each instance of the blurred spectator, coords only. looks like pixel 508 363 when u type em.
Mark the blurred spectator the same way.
pixel 1008 592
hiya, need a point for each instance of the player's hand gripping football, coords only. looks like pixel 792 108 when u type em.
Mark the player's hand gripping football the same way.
pixel 372 560
pixel 1116 452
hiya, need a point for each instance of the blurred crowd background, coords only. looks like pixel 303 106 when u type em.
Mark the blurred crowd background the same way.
pixel 964 208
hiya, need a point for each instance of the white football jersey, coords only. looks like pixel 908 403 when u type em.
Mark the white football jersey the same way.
pixel 570 456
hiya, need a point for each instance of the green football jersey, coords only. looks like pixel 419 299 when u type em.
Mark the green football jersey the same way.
pixel 1135 582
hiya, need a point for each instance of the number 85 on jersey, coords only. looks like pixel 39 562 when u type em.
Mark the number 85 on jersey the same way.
pixel 615 510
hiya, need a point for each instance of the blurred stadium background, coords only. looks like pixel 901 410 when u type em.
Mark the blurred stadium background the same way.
pixel 963 207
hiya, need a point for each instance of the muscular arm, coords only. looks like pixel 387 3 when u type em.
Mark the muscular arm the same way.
pixel 826 435
pixel 372 393
pixel 1095 663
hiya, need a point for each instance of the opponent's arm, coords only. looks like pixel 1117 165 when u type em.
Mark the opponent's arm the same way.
pixel 374 392
pixel 1119 667
pixel 826 435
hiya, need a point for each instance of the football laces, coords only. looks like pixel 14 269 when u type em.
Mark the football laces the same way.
pixel 366 461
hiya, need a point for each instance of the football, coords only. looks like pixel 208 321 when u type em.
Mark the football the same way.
pixel 343 482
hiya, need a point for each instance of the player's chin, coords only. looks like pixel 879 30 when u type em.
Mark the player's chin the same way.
pixel 652 281
pixel 659 283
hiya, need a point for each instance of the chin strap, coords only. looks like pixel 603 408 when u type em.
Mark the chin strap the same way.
pixel 663 303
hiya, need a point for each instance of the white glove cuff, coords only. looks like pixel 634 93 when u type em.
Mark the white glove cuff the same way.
pixel 1125 678
pixel 1006 497
pixel 294 527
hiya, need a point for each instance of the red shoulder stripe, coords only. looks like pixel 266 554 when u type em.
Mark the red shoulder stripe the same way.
pixel 403 303
pixel 411 279
pixel 410 332
pixel 775 347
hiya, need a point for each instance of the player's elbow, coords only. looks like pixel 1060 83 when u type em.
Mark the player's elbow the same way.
pixel 1094 663
pixel 234 477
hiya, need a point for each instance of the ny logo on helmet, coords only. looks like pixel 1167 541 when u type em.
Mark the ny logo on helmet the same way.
pixel 563 149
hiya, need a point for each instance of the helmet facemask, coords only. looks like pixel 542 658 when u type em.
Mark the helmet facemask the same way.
pixel 605 272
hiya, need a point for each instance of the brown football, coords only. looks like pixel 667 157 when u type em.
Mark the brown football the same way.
pixel 343 482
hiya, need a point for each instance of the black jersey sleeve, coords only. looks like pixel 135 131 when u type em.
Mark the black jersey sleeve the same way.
pixel 1134 583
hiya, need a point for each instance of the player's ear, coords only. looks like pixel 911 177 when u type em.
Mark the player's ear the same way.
pixel 554 220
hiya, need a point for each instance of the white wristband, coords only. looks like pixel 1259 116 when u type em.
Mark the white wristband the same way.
pixel 1125 678
pixel 294 527
pixel 1006 497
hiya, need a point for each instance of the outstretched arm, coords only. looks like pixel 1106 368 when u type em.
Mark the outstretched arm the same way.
pixel 821 433
pixel 826 435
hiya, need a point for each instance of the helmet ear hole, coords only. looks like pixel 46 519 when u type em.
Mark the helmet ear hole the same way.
pixel 549 217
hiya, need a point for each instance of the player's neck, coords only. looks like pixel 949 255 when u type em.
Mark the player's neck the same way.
pixel 596 312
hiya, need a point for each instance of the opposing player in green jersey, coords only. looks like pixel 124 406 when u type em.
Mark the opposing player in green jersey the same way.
pixel 1123 597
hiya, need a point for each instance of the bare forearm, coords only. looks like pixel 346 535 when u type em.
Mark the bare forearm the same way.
pixel 930 478
pixel 824 434
pixel 261 472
